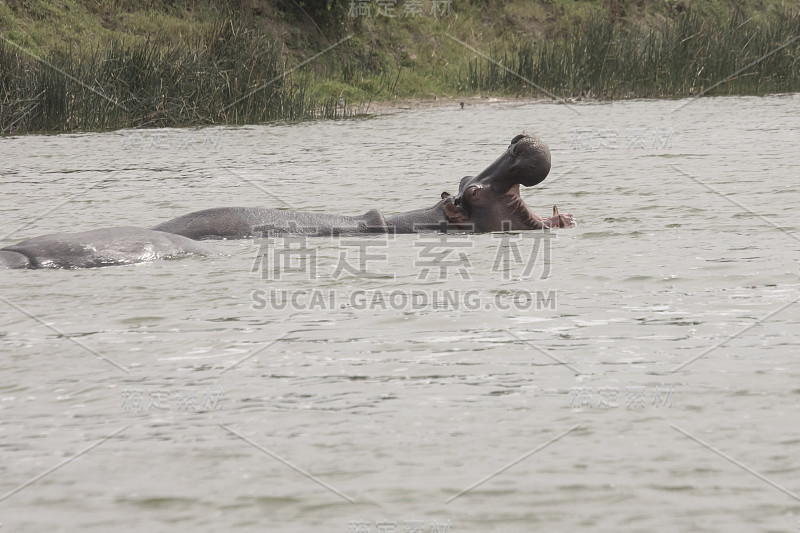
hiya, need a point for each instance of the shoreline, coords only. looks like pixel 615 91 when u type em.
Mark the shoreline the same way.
pixel 213 65
pixel 389 107
pixel 218 77
pixel 417 104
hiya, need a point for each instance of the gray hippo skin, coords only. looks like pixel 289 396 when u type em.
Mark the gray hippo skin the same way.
pixel 242 222
pixel 96 248
pixel 490 201
pixel 13 260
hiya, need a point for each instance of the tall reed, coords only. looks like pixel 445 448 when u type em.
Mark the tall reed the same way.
pixel 687 55
pixel 232 76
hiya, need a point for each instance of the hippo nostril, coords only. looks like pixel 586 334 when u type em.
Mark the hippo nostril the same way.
pixel 517 139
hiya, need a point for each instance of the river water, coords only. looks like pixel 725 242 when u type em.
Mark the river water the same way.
pixel 636 373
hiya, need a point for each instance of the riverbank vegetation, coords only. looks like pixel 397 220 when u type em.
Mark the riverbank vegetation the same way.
pixel 689 55
pixel 84 65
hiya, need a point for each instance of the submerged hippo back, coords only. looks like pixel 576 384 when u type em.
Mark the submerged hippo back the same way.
pixel 13 260
pixel 244 222
pixel 103 247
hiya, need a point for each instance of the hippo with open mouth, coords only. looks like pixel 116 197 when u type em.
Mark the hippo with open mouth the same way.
pixel 487 202
pixel 490 201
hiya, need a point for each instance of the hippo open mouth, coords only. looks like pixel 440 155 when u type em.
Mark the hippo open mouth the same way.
pixel 491 201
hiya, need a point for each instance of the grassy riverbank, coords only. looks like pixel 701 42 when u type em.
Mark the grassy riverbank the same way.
pixel 84 65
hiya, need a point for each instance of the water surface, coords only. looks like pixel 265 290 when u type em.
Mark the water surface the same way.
pixel 661 339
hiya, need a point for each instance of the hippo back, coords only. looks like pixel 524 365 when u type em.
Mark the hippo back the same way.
pixel 101 247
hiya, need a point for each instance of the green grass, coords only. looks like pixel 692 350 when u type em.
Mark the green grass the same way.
pixel 230 76
pixel 688 55
pixel 155 63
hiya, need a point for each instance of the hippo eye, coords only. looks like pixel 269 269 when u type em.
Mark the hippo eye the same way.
pixel 470 197
pixel 516 139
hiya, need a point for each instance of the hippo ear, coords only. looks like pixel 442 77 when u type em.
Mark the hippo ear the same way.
pixel 463 183
pixel 455 215
pixel 446 194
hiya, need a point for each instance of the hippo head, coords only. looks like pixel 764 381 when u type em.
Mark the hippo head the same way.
pixel 491 200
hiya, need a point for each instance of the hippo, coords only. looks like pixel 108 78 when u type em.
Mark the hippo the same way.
pixel 487 202
pixel 243 222
pixel 491 200
pixel 101 247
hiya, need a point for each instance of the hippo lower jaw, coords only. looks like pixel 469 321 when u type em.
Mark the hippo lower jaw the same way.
pixel 507 212
pixel 530 220
pixel 519 211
